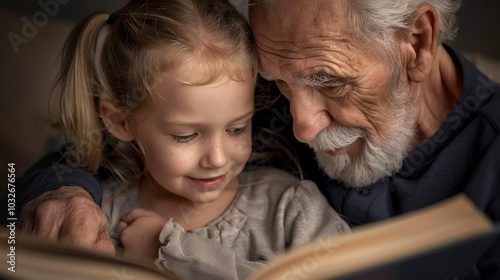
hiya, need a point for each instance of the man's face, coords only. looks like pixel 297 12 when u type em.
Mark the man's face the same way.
pixel 345 100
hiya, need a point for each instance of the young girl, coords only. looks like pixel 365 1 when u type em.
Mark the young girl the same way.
pixel 161 95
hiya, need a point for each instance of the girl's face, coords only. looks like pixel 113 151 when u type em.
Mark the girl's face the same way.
pixel 197 139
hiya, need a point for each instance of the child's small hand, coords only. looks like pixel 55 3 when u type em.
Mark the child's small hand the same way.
pixel 139 231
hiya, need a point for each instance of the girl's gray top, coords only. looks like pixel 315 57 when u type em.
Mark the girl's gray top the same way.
pixel 272 212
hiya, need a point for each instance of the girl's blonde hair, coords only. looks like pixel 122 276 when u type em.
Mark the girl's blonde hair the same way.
pixel 119 58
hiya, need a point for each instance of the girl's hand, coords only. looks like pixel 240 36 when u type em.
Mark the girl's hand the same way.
pixel 139 231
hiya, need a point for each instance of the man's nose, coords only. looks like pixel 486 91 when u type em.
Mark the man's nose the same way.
pixel 310 115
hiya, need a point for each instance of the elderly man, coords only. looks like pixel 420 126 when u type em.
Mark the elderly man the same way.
pixel 395 119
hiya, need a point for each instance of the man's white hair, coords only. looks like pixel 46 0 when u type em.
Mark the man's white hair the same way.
pixel 377 20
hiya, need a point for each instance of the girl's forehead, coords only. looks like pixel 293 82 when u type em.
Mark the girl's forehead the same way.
pixel 224 99
pixel 202 70
pixel 184 80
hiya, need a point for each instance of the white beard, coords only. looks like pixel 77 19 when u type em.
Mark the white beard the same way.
pixel 375 161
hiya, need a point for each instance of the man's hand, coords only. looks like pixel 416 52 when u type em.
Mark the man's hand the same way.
pixel 139 233
pixel 67 214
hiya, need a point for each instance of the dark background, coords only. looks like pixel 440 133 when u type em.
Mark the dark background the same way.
pixel 478 20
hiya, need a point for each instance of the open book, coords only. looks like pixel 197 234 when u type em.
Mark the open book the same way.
pixel 442 241
pixel 31 258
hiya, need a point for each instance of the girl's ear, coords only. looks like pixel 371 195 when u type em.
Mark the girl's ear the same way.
pixel 115 121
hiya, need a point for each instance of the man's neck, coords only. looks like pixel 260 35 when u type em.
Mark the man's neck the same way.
pixel 440 92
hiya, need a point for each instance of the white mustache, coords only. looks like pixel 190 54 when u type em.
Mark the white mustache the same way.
pixel 335 137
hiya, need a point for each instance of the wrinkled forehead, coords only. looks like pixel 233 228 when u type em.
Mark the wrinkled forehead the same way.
pixel 297 40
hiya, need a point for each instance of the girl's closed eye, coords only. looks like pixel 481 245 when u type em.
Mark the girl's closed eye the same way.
pixel 237 130
pixel 184 138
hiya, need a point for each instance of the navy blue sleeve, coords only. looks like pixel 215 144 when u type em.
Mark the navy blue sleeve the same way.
pixel 52 172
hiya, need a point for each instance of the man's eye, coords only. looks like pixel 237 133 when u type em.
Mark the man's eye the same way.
pixel 183 138
pixel 334 91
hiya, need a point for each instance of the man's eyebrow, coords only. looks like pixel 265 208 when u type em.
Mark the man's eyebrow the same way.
pixel 322 79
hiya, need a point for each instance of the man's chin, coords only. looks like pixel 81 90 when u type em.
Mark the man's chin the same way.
pixel 354 172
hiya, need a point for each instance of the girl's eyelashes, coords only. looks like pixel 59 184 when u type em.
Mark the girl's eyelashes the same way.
pixel 190 137
pixel 237 130
pixel 183 138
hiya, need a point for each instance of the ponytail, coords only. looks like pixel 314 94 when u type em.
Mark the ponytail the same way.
pixel 80 88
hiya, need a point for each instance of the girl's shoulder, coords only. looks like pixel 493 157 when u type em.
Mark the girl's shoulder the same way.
pixel 274 185
pixel 257 174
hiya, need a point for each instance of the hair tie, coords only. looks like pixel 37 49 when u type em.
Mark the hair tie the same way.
pixel 112 18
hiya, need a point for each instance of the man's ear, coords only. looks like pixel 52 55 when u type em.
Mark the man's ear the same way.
pixel 421 41
pixel 115 121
